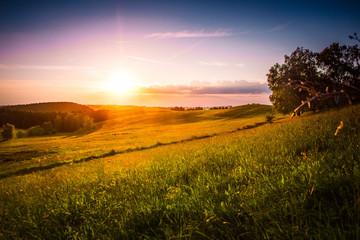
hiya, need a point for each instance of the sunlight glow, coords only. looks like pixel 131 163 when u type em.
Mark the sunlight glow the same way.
pixel 120 82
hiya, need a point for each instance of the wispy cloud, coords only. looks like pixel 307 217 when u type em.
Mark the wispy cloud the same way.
pixel 187 34
pixel 43 67
pixel 151 60
pixel 220 64
pixel 279 27
pixel 185 50
pixel 222 87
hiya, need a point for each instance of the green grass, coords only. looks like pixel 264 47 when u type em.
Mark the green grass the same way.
pixel 129 128
pixel 286 180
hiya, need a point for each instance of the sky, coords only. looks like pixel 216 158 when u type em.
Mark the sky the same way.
pixel 158 53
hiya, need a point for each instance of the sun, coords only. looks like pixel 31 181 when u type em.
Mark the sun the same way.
pixel 120 82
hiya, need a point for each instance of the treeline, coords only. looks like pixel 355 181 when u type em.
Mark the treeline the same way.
pixel 186 109
pixel 194 109
pixel 38 121
pixel 220 107
pixel 52 107
pixel 27 119
pixel 198 108
pixel 177 109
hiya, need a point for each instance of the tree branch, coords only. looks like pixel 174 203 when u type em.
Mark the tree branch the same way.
pixel 354 37
pixel 315 97
pixel 344 84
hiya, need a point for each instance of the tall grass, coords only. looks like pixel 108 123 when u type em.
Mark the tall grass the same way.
pixel 129 128
pixel 289 180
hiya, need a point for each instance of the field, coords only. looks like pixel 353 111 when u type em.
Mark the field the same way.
pixel 153 173
pixel 130 128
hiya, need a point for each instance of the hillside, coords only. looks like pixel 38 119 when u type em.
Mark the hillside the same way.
pixel 58 116
pixel 129 127
pixel 51 107
pixel 246 111
pixel 161 174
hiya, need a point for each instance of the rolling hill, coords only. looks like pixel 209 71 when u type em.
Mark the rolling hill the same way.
pixel 153 173
pixel 51 107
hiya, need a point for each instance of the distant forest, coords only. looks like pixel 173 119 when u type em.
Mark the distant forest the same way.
pixel 198 108
pixel 51 116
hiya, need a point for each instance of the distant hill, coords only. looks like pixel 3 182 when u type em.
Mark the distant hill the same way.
pixel 245 111
pixel 51 107
pixel 29 115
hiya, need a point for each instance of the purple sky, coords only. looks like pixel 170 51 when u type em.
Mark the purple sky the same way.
pixel 158 53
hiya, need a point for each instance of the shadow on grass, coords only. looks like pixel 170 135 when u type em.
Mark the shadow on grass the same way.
pixel 246 111
pixel 79 133
pixel 181 118
pixel 113 153
pixel 22 155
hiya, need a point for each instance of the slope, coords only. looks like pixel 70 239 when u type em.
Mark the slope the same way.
pixel 288 180
pixel 128 128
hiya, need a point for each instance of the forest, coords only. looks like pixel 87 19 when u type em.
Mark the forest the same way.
pixel 48 118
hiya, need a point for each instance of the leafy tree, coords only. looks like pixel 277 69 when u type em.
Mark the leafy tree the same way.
pixel 101 115
pixel 48 128
pixel 299 65
pixel 59 123
pixel 308 79
pixel 8 131
pixel 36 131
pixel 88 124
pixel 21 134
pixel 72 122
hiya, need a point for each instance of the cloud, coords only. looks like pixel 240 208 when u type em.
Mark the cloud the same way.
pixel 185 50
pixel 279 27
pixel 222 87
pixel 43 67
pixel 186 34
pixel 151 60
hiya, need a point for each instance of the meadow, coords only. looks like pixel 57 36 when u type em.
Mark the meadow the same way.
pixel 152 173
pixel 130 128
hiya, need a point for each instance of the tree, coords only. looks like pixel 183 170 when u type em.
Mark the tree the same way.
pixel 299 65
pixel 48 128
pixel 88 124
pixel 312 80
pixel 101 115
pixel 72 122
pixel 355 37
pixel 59 123
pixel 8 131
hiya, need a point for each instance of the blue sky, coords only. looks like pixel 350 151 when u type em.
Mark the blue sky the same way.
pixel 161 53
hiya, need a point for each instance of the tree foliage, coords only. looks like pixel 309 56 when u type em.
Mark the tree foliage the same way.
pixel 354 37
pixel 314 80
pixel 8 131
pixel 48 118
